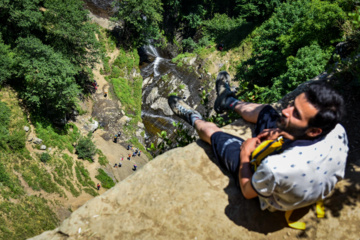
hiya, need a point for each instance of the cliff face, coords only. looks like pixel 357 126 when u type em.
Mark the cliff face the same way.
pixel 185 194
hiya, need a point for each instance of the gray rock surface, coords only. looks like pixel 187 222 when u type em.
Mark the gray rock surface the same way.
pixel 37 141
pixel 92 126
pixel 185 194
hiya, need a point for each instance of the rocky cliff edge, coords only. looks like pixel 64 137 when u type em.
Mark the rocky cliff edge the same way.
pixel 185 194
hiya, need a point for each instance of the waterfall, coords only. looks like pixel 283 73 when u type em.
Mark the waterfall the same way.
pixel 151 50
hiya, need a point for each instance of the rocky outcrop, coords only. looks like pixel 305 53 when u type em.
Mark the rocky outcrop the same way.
pixel 175 196
pixel 185 194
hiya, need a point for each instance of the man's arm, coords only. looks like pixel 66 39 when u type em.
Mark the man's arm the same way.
pixel 245 173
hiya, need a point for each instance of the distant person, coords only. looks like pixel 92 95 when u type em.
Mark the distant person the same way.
pixel 119 134
pixel 135 167
pixel 221 46
pixel 120 164
pixel 98 186
pixel 139 153
pixel 105 94
pixel 128 147
pixel 115 138
pixel 129 157
pixel 115 165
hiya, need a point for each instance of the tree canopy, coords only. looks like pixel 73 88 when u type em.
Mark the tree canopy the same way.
pixel 46 47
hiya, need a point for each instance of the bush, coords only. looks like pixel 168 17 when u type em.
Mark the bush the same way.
pixel 220 25
pixel 86 149
pixel 188 44
pixel 4 119
pixel 16 140
pixel 45 157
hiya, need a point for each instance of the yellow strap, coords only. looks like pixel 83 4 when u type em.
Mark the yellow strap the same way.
pixel 296 225
pixel 320 209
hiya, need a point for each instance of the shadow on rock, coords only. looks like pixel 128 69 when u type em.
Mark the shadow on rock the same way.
pixel 247 213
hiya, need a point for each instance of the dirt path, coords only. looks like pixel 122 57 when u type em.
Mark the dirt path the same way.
pixel 113 151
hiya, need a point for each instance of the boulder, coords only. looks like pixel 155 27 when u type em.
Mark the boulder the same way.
pixel 37 141
pixel 124 120
pixel 91 127
pixel 26 128
pixel 140 125
pixel 42 147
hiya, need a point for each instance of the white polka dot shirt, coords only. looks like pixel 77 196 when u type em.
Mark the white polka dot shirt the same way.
pixel 301 175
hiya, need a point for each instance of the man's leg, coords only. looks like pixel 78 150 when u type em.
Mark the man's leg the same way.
pixel 194 118
pixel 226 147
pixel 226 100
pixel 205 130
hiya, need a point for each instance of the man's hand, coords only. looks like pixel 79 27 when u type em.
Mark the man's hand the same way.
pixel 273 133
pixel 245 173
pixel 249 146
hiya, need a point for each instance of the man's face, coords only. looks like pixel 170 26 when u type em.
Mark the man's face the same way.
pixel 295 118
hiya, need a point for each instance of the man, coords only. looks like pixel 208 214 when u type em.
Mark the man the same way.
pixel 311 161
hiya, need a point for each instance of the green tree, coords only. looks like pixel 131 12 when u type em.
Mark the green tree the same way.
pixel 6 61
pixel 141 20
pixel 321 24
pixel 49 77
pixel 53 44
pixel 256 10
pixel 85 148
pixel 308 63
pixel 293 26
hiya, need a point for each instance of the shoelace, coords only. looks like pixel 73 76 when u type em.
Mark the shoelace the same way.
pixel 183 110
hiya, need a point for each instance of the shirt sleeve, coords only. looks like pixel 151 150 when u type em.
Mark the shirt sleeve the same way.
pixel 263 181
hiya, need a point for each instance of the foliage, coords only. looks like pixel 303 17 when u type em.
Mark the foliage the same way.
pixel 45 157
pixel 26 219
pixel 292 27
pixel 128 89
pixel 105 180
pixel 38 178
pixel 4 127
pixel 102 158
pixel 84 179
pixel 221 25
pixel 182 135
pixel 6 61
pixel 63 138
pixel 256 10
pixel 85 148
pixel 16 140
pixel 49 77
pixel 141 20
pixel 46 47
pixel 188 44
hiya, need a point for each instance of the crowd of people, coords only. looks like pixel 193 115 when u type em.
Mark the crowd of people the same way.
pixel 135 152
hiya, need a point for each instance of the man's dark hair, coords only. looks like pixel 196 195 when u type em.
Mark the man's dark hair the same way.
pixel 328 102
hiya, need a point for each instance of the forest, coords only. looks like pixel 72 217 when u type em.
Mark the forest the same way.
pixel 48 49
